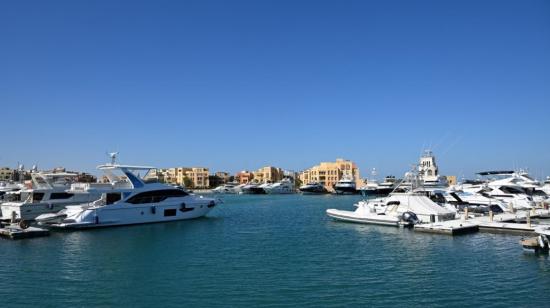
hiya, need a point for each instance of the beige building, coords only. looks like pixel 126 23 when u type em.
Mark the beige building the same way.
pixel 5 173
pixel 244 177
pixel 329 173
pixel 268 175
pixel 198 176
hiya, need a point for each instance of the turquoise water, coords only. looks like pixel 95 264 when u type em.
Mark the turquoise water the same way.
pixel 270 251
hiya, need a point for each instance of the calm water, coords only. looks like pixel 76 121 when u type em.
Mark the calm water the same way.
pixel 270 251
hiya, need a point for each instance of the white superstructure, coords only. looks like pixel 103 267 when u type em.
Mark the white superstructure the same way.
pixel 47 194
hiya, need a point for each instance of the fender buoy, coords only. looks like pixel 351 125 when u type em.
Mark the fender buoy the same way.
pixel 23 224
pixel 153 209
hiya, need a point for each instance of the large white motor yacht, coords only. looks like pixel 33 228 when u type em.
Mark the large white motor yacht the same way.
pixel 346 186
pixel 47 193
pixel 286 186
pixel 128 200
pixel 313 188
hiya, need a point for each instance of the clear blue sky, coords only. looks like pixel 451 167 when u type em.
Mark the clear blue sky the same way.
pixel 236 85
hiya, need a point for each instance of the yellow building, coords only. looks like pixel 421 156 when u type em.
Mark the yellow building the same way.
pixel 268 175
pixel 329 173
pixel 198 176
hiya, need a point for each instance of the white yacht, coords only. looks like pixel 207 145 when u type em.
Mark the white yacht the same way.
pixel 255 188
pixel 505 188
pixel 313 188
pixel 286 186
pixel 373 188
pixel 128 200
pixel 517 180
pixel 47 193
pixel 346 186
pixel 228 188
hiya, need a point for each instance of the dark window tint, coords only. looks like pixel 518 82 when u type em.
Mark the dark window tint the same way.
pixel 512 190
pixel 112 198
pixel 156 196
pixel 60 196
pixel 37 197
pixel 170 212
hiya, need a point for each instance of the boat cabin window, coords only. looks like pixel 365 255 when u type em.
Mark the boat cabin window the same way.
pixel 62 195
pixel 512 190
pixel 156 196
pixel 37 197
pixel 112 198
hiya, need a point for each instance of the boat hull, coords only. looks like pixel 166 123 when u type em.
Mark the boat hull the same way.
pixel 134 215
pixel 373 220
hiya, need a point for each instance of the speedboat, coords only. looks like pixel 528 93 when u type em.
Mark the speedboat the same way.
pixel 398 209
pixel 346 186
pixel 47 193
pixel 126 200
pixel 313 188
pixel 285 186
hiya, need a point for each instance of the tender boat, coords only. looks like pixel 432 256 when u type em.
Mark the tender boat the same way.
pixel 128 200
pixel 398 209
pixel 313 188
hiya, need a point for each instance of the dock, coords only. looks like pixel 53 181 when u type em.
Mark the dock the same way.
pixel 450 227
pixel 15 232
pixel 504 227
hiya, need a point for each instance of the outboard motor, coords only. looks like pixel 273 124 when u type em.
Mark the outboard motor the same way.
pixel 410 217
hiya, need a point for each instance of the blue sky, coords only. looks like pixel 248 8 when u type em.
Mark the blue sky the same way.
pixel 236 85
